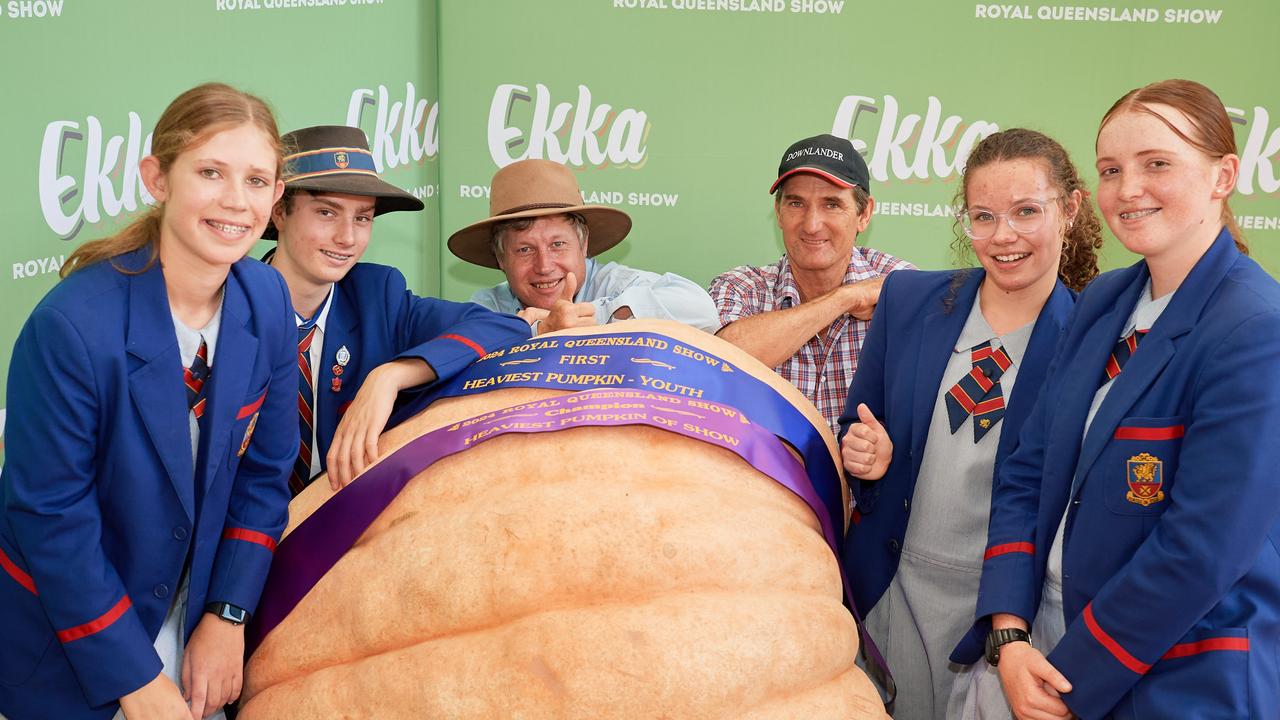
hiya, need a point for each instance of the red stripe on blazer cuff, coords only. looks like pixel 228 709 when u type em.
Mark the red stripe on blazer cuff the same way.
pixel 251 408
pixel 252 536
pixel 1182 650
pixel 1113 647
pixel 1173 432
pixel 1006 548
pixel 475 347
pixel 98 625
pixel 16 573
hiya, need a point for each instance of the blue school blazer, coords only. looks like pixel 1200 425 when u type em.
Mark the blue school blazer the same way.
pixel 102 508
pixel 376 319
pixel 900 367
pixel 1171 558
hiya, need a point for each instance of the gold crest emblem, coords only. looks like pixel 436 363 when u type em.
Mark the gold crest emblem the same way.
pixel 1145 476
pixel 248 435
pixel 985 422
pixel 340 159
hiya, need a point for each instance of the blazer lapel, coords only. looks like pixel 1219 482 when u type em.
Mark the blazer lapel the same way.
pixel 1158 348
pixel 937 343
pixel 1035 365
pixel 232 369
pixel 340 332
pixel 156 385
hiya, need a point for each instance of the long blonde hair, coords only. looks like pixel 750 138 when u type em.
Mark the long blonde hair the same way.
pixel 193 117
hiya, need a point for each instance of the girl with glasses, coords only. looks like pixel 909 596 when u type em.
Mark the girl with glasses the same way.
pixel 950 369
pixel 152 428
pixel 1136 528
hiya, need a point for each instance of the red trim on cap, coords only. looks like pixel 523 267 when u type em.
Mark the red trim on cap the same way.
pixel 1173 432
pixel 1006 548
pixel 1113 647
pixel 479 351
pixel 98 625
pixel 16 573
pixel 252 536
pixel 251 408
pixel 1182 650
pixel 821 173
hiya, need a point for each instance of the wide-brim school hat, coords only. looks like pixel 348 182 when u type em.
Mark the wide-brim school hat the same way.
pixel 531 189
pixel 336 159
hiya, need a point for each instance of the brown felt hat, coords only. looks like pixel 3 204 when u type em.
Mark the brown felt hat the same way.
pixel 336 159
pixel 531 189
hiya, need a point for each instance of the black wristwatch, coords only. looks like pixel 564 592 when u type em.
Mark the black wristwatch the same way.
pixel 227 611
pixel 997 638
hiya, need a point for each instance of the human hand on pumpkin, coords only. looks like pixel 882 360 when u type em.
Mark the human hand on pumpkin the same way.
pixel 565 313
pixel 355 442
pixel 866 449
pixel 213 665
pixel 159 699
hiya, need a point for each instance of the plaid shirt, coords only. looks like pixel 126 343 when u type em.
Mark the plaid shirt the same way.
pixel 823 367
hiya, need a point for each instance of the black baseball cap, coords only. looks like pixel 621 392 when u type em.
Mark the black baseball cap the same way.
pixel 827 156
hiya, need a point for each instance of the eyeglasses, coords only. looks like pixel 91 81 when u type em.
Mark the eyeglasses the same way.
pixel 1024 218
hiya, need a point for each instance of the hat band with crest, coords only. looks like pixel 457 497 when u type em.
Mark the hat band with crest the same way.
pixel 329 161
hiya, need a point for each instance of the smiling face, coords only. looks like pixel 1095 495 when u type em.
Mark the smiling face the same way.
pixel 537 259
pixel 217 196
pixel 1161 196
pixel 820 223
pixel 322 236
pixel 1014 260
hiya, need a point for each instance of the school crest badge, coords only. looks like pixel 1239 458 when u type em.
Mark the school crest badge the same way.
pixel 248 435
pixel 1145 476
pixel 341 160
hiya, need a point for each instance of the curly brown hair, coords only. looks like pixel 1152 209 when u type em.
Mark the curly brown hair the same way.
pixel 1083 238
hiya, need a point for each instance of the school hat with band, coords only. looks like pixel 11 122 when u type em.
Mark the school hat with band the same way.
pixel 827 156
pixel 336 159
pixel 531 189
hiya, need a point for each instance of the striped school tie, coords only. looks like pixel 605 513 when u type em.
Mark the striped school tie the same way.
pixel 1124 350
pixel 194 377
pixel 306 409
pixel 978 393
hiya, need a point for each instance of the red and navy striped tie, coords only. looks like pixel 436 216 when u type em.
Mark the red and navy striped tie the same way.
pixel 306 414
pixel 978 393
pixel 194 377
pixel 1124 350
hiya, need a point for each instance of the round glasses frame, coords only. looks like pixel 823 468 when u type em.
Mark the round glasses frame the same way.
pixel 1022 224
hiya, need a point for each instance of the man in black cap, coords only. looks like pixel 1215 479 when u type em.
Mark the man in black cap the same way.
pixel 806 315
pixel 362 335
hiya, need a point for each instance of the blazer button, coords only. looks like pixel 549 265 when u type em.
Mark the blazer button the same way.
pixel 179 533
pixel 894 546
pixel 161 591
pixel 906 505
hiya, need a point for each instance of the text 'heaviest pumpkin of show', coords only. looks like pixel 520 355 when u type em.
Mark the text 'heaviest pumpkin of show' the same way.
pixel 600 523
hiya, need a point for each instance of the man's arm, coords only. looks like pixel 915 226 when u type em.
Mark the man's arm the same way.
pixel 772 337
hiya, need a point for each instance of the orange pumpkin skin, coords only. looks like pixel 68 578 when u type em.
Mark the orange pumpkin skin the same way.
pixel 614 572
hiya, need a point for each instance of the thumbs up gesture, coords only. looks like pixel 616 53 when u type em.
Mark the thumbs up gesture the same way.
pixel 866 449
pixel 565 313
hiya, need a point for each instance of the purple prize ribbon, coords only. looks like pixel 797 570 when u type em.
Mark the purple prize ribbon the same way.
pixel 317 544
pixel 645 361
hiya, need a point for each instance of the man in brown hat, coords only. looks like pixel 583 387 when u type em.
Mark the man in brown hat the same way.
pixel 542 237
pixel 362 336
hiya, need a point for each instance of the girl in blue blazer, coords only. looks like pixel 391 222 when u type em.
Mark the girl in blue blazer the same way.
pixel 151 401
pixel 1139 515
pixel 933 409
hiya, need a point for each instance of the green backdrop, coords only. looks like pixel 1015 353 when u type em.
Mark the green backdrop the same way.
pixel 674 110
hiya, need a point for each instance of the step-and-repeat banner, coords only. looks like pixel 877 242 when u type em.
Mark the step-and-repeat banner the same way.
pixel 676 111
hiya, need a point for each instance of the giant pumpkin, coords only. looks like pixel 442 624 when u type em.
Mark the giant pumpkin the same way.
pixel 592 572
